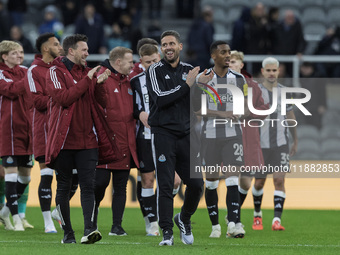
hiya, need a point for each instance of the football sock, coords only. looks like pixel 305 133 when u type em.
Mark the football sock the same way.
pixel 233 198
pixel 44 190
pixel 139 196
pixel 279 199
pixel 2 191
pixel 211 199
pixel 257 196
pixel 11 192
pixel 149 200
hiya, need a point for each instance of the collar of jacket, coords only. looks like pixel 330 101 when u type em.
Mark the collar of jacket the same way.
pixel 70 65
pixel 6 68
pixel 114 73
pixel 39 62
pixel 169 66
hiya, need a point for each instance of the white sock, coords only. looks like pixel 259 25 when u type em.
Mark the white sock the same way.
pixel 22 215
pixel 258 214
pixel 276 219
pixel 48 219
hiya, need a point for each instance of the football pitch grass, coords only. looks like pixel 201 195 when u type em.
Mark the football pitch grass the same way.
pixel 307 232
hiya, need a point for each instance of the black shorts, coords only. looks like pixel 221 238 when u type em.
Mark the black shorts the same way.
pixel 144 152
pixel 17 161
pixel 40 159
pixel 276 160
pixel 228 151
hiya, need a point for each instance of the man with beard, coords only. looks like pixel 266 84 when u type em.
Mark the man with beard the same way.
pixel 75 131
pixel 49 47
pixel 169 83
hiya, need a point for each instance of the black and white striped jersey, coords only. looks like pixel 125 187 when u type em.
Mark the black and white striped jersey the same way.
pixel 141 103
pixel 209 127
pixel 273 134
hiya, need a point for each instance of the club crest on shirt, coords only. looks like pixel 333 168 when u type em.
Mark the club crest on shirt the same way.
pixel 9 160
pixel 162 158
pixel 130 91
pixel 184 76
pixel 141 164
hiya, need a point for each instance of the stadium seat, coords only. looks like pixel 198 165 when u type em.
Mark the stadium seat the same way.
pixel 331 156
pixel 330 132
pixel 306 156
pixel 314 28
pixel 288 4
pixel 213 3
pixel 308 131
pixel 313 14
pixel 220 27
pixel 306 145
pixel 331 118
pixel 239 3
pixel 330 4
pixel 331 145
pixel 233 14
pixel 333 15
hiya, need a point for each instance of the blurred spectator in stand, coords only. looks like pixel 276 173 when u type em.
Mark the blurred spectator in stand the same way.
pixel 329 45
pixel 4 22
pixel 250 32
pixel 69 10
pixel 17 10
pixel 317 105
pixel 289 39
pixel 117 38
pixel 155 9
pixel 186 8
pixel 154 31
pixel 91 24
pixel 272 25
pixel 17 36
pixel 201 36
pixel 129 32
pixel 238 41
pixel 51 24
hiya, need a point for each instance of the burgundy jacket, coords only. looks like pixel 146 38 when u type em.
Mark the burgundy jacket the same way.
pixel 73 118
pixel 15 119
pixel 137 69
pixel 251 137
pixel 119 116
pixel 36 83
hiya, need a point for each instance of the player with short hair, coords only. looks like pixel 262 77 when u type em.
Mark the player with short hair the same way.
pixel 118 114
pixel 223 143
pixel 274 144
pixel 174 142
pixel 16 148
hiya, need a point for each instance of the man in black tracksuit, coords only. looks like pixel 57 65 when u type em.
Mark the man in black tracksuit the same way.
pixel 169 82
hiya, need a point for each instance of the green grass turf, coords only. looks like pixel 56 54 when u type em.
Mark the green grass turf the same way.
pixel 307 232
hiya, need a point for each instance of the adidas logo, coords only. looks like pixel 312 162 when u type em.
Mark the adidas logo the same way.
pixel 150 215
pixel 239 158
pixel 167 77
pixel 213 213
pixel 116 90
pixel 278 206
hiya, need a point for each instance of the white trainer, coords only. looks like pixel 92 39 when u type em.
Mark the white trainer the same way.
pixel 235 231
pixel 147 224
pixel 4 218
pixel 168 239
pixel 184 230
pixel 55 215
pixel 26 224
pixel 18 226
pixel 216 231
pixel 153 229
